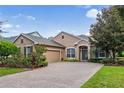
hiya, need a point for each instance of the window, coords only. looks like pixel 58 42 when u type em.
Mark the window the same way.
pixel 71 52
pixel 62 36
pixel 28 50
pixel 21 41
pixel 102 54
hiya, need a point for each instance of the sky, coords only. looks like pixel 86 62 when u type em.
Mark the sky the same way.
pixel 48 20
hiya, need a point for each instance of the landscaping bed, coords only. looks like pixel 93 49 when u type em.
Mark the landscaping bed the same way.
pixel 6 70
pixel 11 56
pixel 107 77
pixel 119 61
pixel 71 60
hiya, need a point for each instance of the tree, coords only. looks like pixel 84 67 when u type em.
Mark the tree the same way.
pixel 7 48
pixel 37 58
pixel 108 31
pixel 1 24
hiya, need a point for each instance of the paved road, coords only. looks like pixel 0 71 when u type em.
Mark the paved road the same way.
pixel 56 75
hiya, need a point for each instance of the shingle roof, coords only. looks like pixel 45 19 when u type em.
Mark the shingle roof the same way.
pixel 84 37
pixel 44 41
pixel 38 39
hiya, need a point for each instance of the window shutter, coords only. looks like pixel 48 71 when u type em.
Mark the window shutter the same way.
pixel 31 49
pixel 25 51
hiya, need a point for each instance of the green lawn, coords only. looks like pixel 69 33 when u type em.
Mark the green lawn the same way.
pixel 6 71
pixel 107 77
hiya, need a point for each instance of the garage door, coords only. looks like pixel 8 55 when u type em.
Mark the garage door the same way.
pixel 53 55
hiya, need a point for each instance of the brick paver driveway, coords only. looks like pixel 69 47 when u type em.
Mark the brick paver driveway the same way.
pixel 60 75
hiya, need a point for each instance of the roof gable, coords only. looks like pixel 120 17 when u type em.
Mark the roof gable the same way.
pixel 35 34
pixel 36 38
pixel 24 37
pixel 67 34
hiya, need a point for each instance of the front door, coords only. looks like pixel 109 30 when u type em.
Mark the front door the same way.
pixel 84 54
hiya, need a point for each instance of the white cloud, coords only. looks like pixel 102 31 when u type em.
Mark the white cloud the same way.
pixel 17 26
pixel 92 13
pixel 88 34
pixel 17 16
pixel 20 15
pixel 7 25
pixel 31 18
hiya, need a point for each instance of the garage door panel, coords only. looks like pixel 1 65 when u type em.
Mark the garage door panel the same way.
pixel 53 55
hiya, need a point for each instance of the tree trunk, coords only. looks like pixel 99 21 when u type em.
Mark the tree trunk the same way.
pixel 113 56
pixel 107 54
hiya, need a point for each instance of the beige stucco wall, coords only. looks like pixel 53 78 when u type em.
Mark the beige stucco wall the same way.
pixel 26 42
pixel 72 42
pixel 82 43
pixel 68 40
pixel 53 52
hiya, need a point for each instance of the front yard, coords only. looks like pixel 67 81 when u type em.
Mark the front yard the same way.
pixel 6 71
pixel 107 77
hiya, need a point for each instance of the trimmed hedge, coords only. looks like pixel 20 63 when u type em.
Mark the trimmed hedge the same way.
pixel 109 61
pixel 71 60
pixel 95 60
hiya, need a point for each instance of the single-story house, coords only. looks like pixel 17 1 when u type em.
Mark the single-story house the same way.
pixel 62 46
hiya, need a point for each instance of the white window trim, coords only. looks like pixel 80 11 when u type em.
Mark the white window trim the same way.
pixel 67 53
pixel 26 48
pixel 100 56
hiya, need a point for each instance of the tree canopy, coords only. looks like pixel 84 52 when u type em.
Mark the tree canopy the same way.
pixel 108 31
pixel 7 48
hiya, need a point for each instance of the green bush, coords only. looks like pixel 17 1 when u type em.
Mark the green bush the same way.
pixel 23 62
pixel 121 62
pixel 121 54
pixel 107 61
pixel 71 60
pixel 95 60
pixel 26 62
pixel 7 48
pixel 44 63
pixel 36 59
pixel 12 62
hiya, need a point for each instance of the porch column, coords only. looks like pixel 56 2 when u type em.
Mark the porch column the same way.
pixel 88 51
pixel 77 52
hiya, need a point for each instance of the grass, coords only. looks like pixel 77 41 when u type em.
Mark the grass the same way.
pixel 107 77
pixel 6 71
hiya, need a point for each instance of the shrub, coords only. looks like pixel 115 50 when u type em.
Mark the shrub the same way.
pixel 95 60
pixel 121 62
pixel 44 63
pixel 121 54
pixel 7 48
pixel 107 61
pixel 12 62
pixel 36 59
pixel 71 60
pixel 26 62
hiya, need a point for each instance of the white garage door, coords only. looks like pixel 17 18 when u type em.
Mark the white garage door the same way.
pixel 53 55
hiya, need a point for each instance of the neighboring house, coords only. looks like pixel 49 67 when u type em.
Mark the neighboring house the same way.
pixel 60 47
